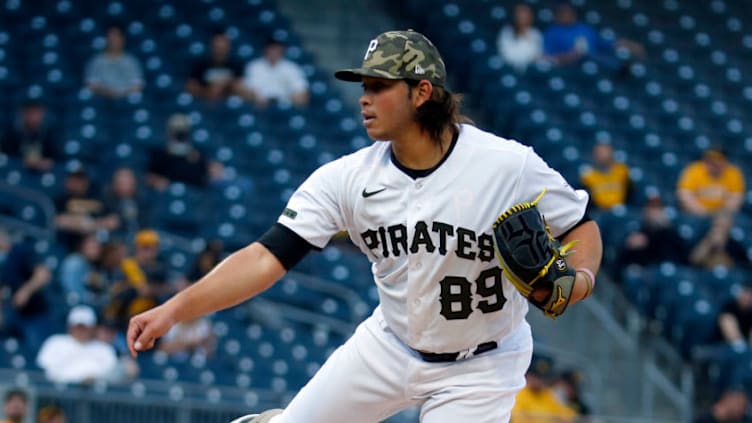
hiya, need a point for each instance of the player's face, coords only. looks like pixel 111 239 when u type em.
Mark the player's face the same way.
pixel 386 108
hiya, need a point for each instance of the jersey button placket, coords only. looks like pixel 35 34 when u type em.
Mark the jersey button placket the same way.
pixel 414 207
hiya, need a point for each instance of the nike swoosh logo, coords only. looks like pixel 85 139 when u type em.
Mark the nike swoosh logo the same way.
pixel 367 194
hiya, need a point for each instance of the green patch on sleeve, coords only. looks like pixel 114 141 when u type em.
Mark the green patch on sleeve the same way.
pixel 292 214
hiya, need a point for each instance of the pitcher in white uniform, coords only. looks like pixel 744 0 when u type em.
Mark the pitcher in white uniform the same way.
pixel 449 334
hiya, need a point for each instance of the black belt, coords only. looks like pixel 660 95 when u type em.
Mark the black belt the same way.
pixel 454 356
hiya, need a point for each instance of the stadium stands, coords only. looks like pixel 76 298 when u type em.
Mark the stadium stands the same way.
pixel 688 93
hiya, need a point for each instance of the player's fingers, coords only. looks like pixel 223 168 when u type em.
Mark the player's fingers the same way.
pixel 140 336
pixel 135 327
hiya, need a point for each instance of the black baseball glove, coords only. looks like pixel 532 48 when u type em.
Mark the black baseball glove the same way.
pixel 532 259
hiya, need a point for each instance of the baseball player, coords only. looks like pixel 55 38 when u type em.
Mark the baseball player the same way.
pixel 449 334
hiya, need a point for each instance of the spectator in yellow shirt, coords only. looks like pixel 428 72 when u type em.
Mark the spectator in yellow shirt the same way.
pixel 711 185
pixel 606 179
pixel 537 402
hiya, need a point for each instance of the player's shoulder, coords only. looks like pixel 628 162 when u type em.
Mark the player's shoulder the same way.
pixel 487 142
pixel 376 154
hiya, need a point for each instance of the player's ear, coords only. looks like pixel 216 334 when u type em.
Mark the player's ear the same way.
pixel 422 92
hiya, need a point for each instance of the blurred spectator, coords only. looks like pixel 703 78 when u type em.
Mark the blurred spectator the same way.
pixel 656 241
pixel 732 407
pixel 537 402
pixel 5 246
pixel 606 179
pixel 51 414
pixel 567 387
pixel 568 40
pixel 735 319
pixel 180 160
pixel 716 248
pixel 25 312
pixel 80 276
pixel 711 185
pixel 520 44
pixel 144 282
pixel 274 77
pixel 127 368
pixel 114 73
pixel 218 75
pixel 211 255
pixel 31 138
pixel 112 256
pixel 77 356
pixel 124 199
pixel 15 406
pixel 80 211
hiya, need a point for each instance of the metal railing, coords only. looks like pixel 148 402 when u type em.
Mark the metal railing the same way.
pixel 45 230
pixel 153 401
pixel 664 371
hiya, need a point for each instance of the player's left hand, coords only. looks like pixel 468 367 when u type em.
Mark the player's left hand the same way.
pixel 145 328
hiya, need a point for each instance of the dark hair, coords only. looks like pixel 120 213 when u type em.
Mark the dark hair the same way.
pixel 442 110
pixel 16 393
pixel 219 31
pixel 32 103
pixel 115 25
pixel 273 41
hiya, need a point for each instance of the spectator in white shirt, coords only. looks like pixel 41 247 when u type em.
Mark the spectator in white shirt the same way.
pixel 78 357
pixel 520 44
pixel 274 77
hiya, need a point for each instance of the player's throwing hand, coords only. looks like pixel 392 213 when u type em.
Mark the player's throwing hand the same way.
pixel 145 328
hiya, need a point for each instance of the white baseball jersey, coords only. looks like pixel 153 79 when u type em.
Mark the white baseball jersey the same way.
pixel 429 238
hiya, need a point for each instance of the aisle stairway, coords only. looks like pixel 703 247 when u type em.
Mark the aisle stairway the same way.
pixel 619 363
pixel 337 32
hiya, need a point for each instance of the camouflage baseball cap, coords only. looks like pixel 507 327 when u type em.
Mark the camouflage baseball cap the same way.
pixel 399 55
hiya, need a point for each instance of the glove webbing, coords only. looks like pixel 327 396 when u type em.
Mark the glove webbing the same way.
pixel 526 287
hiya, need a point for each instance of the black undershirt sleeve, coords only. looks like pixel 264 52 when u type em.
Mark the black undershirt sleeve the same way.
pixel 585 218
pixel 289 247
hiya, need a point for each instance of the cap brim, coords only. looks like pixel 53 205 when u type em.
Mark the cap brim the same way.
pixel 357 74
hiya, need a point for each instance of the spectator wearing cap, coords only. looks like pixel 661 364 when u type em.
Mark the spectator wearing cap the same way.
pixel 80 211
pixel 144 283
pixel 607 180
pixel 114 73
pixel 537 402
pixel 31 138
pixel 15 406
pixel 179 160
pixel 711 185
pixel 77 356
pixel 217 75
pixel 26 311
pixel 273 77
